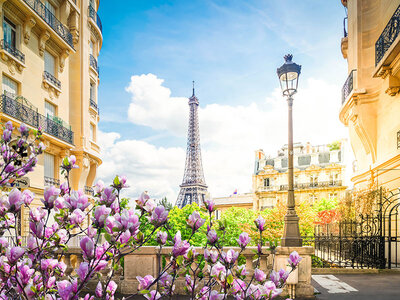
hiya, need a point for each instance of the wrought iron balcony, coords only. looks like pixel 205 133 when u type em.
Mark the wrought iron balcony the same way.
pixel 51 20
pixel 348 86
pixel 13 51
pixel 51 181
pixel 321 184
pixel 89 190
pixel 26 114
pixel 95 17
pixel 94 105
pixel 93 63
pixel 388 36
pixel 50 78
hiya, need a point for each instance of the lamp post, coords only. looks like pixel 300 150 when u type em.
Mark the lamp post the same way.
pixel 288 75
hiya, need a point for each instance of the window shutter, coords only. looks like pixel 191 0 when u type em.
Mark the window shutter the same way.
pixel 48 165
pixel 49 63
pixel 50 109
pixel 10 86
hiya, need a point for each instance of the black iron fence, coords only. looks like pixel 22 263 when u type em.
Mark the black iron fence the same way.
pixel 93 63
pixel 368 241
pixel 53 80
pixel 348 86
pixel 17 110
pixel 51 20
pixel 388 36
pixel 13 51
pixel 93 14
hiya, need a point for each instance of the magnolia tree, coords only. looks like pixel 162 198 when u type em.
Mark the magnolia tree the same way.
pixel 36 270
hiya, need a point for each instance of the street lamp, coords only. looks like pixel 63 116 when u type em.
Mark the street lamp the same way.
pixel 288 75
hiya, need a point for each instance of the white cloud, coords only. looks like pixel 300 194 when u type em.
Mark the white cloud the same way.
pixel 229 135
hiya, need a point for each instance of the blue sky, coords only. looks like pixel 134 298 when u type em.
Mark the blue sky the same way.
pixel 230 48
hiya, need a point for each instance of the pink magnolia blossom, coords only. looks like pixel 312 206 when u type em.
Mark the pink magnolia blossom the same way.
pixel 195 221
pixel 14 254
pixel 83 271
pixel 77 199
pixel 260 223
pixel 111 288
pixel 161 237
pixel 153 295
pixel 99 187
pixel 212 237
pixel 99 290
pixel 100 214
pixel 16 200
pixel 180 247
pixel 294 259
pixel 87 246
pixel 28 197
pixel 124 237
pixel 77 216
pixel 211 256
pixel 259 275
pixel 230 256
pixel 210 205
pixel 144 282
pixel 108 196
pixel 50 195
pixel 243 240
pixel 159 216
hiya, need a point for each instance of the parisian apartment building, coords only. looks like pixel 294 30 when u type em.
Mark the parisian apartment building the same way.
pixel 50 78
pixel 318 173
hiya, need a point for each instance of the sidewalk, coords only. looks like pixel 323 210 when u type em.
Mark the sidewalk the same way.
pixel 358 286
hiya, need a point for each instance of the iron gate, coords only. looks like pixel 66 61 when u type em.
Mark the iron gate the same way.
pixel 371 241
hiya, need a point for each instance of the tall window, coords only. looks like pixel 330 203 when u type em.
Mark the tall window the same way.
pixel 267 182
pixel 91 47
pixel 333 178
pixel 9 86
pixel 49 165
pixel 93 91
pixel 49 109
pixel 49 63
pixel 313 198
pixel 314 180
pixel 92 132
pixel 10 33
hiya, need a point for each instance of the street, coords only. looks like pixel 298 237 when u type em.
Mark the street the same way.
pixel 357 286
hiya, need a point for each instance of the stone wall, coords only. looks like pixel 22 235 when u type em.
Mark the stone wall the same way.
pixel 146 261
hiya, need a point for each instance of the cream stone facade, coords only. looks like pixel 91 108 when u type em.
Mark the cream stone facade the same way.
pixel 49 74
pixel 318 173
pixel 371 100
pixel 236 200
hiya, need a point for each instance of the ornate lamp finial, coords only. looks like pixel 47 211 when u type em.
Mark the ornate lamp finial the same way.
pixel 288 58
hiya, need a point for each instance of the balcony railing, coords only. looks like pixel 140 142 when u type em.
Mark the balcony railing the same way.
pixel 94 105
pixel 93 63
pixel 51 20
pixel 89 190
pixel 51 181
pixel 388 36
pixel 17 110
pixel 312 185
pixel 13 51
pixel 348 86
pixel 50 78
pixel 93 14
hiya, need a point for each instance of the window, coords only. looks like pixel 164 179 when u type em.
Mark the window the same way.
pixel 10 86
pixel 333 178
pixel 91 47
pixel 267 182
pixel 49 110
pixel 313 198
pixel 93 91
pixel 313 180
pixel 92 132
pixel 48 165
pixel 49 63
pixel 332 196
pixel 92 4
pixel 10 33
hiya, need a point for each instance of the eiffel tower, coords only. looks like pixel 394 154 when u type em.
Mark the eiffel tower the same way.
pixel 193 187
